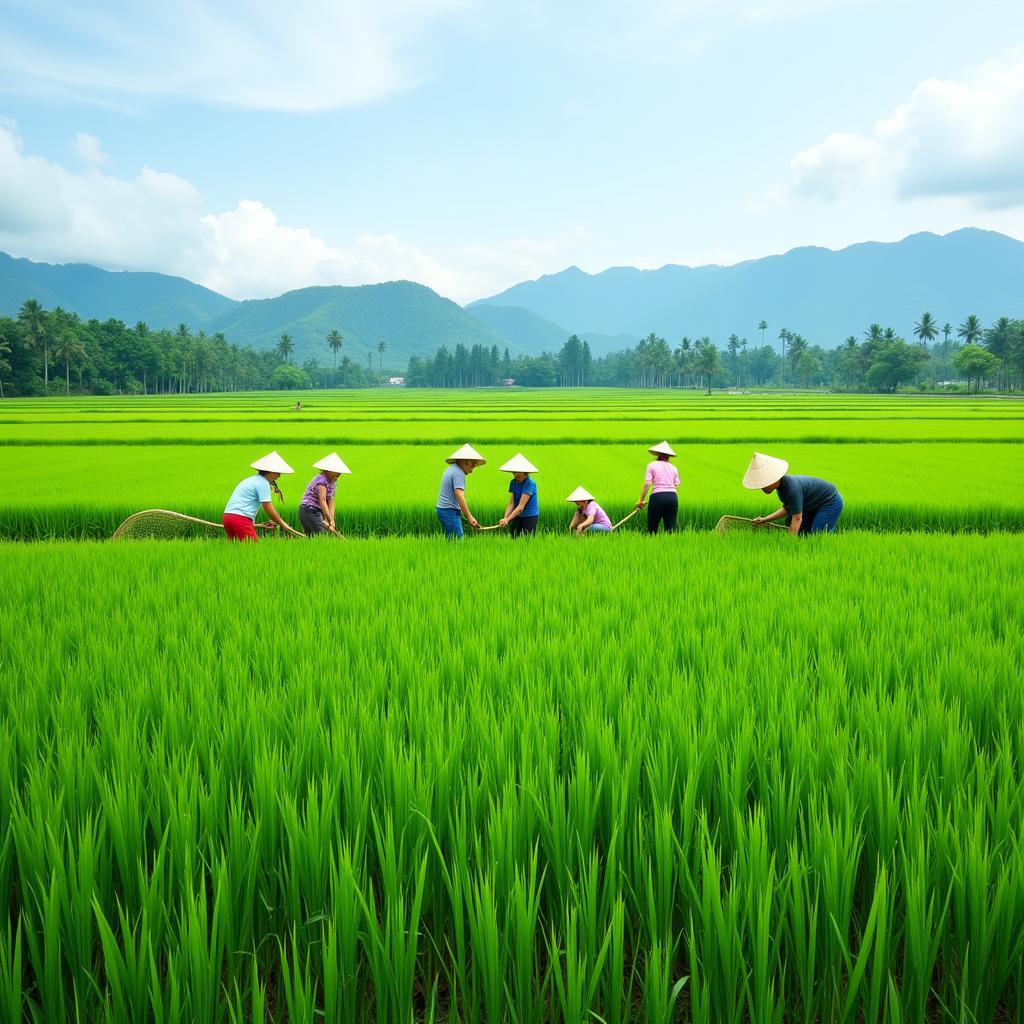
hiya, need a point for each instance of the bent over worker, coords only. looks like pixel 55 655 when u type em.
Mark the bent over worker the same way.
pixel 451 500
pixel 809 504
pixel 253 493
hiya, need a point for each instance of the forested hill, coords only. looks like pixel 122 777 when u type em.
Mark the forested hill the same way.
pixel 156 299
pixel 409 318
pixel 823 295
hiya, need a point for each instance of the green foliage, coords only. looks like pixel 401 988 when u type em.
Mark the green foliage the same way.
pixel 226 796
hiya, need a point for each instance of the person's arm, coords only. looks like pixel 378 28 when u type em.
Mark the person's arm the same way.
pixel 330 506
pixel 575 519
pixel 268 507
pixel 503 521
pixel 325 508
pixel 648 484
pixel 460 497
pixel 518 510
pixel 587 521
pixel 794 523
pixel 777 514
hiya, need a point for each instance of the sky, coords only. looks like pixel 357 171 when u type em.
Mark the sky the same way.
pixel 255 146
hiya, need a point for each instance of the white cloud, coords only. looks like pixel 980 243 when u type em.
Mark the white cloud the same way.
pixel 260 54
pixel 962 139
pixel 156 221
pixel 88 148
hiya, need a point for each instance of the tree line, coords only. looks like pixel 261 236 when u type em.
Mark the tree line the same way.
pixel 878 360
pixel 56 352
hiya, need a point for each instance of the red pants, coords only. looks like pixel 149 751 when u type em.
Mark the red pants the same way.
pixel 238 527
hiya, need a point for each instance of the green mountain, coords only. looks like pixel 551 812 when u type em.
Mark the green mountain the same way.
pixel 821 294
pixel 409 317
pixel 157 299
pixel 534 334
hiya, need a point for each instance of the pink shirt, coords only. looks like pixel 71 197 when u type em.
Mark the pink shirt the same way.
pixel 662 475
pixel 600 516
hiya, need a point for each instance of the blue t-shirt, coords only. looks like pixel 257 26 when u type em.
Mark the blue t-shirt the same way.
pixel 805 494
pixel 452 479
pixel 248 496
pixel 517 490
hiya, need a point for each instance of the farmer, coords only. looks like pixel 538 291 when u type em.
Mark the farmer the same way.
pixel 589 517
pixel 451 501
pixel 239 517
pixel 811 505
pixel 316 510
pixel 661 480
pixel 522 511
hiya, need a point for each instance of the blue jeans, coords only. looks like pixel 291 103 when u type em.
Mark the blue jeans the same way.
pixel 825 518
pixel 598 528
pixel 451 522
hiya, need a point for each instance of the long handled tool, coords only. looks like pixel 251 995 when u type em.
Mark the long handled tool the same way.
pixel 625 519
pixel 729 523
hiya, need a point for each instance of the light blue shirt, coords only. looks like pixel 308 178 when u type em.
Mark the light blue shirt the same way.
pixel 452 479
pixel 248 496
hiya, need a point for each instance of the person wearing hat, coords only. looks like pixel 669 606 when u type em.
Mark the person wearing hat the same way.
pixel 316 510
pixel 239 519
pixel 589 517
pixel 811 505
pixel 661 480
pixel 451 501
pixel 523 511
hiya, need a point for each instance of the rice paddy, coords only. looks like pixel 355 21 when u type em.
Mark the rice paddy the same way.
pixel 691 778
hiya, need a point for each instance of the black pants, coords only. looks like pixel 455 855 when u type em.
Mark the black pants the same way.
pixel 523 524
pixel 312 520
pixel 662 507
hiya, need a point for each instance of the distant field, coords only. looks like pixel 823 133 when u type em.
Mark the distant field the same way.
pixel 901 463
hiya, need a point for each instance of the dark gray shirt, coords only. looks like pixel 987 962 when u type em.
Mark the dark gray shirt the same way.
pixel 805 494
pixel 452 479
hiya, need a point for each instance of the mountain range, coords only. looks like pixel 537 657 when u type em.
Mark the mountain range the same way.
pixel 822 294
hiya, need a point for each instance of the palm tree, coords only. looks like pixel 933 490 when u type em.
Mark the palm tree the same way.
pixel 381 348
pixel 947 330
pixel 334 343
pixel 926 329
pixel 762 326
pixel 68 347
pixel 970 330
pixel 285 347
pixel 32 318
pixel 797 347
pixel 784 336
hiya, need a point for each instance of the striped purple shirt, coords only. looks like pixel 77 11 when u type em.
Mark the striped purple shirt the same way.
pixel 310 498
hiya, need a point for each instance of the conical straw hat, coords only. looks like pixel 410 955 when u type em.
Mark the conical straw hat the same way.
pixel 466 453
pixel 272 463
pixel 580 494
pixel 519 463
pixel 764 470
pixel 661 449
pixel 332 464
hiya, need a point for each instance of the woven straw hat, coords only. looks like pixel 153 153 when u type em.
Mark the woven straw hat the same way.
pixel 272 463
pixel 519 463
pixel 332 464
pixel 467 453
pixel 764 470
pixel 661 449
pixel 580 494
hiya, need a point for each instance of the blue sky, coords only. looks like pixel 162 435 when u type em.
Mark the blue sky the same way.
pixel 256 147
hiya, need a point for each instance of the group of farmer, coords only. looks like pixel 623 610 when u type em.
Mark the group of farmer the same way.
pixel 809 504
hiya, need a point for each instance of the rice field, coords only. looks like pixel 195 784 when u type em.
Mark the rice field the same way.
pixel 692 778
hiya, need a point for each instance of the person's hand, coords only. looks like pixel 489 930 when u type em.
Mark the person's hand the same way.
pixel 270 525
pixel 473 522
pixel 503 521
pixel 579 531
pixel 640 503
pixel 758 520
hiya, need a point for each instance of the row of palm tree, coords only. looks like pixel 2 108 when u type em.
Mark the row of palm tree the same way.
pixel 335 340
